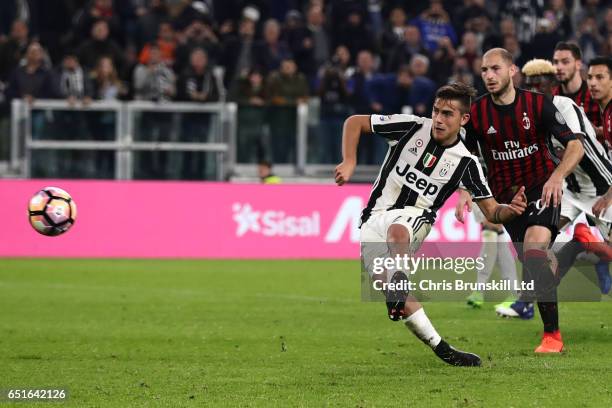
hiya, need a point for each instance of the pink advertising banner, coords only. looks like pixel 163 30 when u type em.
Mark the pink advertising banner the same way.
pixel 121 219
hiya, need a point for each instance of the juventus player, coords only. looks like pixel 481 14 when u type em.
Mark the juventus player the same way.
pixel 513 128
pixel 425 164
pixel 567 59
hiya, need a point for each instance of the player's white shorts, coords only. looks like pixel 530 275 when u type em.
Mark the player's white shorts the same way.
pixel 573 204
pixel 374 232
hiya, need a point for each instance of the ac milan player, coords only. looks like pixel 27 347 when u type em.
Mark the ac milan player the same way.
pixel 600 84
pixel 513 129
pixel 567 60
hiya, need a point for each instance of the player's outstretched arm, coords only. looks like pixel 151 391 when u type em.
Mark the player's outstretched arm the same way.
pixel 553 188
pixel 502 213
pixel 353 127
pixel 465 200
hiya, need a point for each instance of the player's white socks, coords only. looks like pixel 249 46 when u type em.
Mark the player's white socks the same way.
pixel 419 324
pixel 489 255
pixel 507 264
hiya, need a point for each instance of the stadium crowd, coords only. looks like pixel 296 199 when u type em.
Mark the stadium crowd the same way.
pixel 356 56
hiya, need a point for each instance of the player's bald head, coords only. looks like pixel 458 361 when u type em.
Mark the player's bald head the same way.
pixel 502 53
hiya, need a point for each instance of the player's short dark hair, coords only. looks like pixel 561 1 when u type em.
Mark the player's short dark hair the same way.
pixel 458 91
pixel 571 47
pixel 503 53
pixel 600 60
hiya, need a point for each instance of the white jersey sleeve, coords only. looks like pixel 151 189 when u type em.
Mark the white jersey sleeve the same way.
pixel 473 180
pixel 393 127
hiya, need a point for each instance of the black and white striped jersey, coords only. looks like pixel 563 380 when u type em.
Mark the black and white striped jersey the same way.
pixel 593 175
pixel 419 172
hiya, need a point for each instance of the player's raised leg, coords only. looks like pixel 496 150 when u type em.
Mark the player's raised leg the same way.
pixel 401 305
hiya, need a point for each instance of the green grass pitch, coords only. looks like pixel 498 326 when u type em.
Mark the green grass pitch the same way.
pixel 121 333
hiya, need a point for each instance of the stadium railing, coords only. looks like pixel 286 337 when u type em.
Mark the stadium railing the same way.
pixel 170 140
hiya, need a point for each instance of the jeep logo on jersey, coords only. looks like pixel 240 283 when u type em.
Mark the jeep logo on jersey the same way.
pixel 429 160
pixel 418 181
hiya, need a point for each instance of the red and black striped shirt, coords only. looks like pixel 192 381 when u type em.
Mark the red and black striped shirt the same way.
pixel 583 99
pixel 515 141
pixel 606 118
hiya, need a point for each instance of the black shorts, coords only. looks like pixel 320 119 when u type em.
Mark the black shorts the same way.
pixel 535 214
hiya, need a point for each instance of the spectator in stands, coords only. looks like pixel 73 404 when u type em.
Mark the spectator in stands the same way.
pixel 250 90
pixel 284 89
pixel 401 92
pixel 199 34
pixel 443 59
pixel 299 40
pixel 99 45
pixel 470 17
pixel 606 28
pixel 434 24
pixel 71 81
pixel 342 60
pixel 32 80
pixel 13 50
pixel 419 65
pixel 361 102
pixel 149 18
pixel 106 83
pixel 358 84
pixel 392 92
pixel 587 8
pixel 525 15
pixel 252 137
pixel 154 80
pixel 270 51
pixel 546 37
pixel 403 51
pixel 73 84
pixel 462 71
pixel 589 39
pixel 320 41
pixel 558 9
pixel 95 11
pixel 469 48
pixel 166 45
pixel 196 84
pixel 334 110
pixel 239 54
pixel 393 33
pixel 287 86
pixel 512 44
pixel 355 34
pixel 495 38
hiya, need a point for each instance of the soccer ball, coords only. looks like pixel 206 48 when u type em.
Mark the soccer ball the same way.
pixel 52 211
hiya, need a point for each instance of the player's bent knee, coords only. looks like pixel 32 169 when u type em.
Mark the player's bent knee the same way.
pixel 398 233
